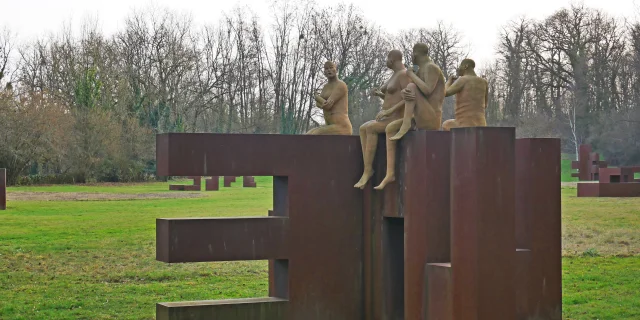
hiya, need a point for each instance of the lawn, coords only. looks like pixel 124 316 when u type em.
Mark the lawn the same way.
pixel 96 259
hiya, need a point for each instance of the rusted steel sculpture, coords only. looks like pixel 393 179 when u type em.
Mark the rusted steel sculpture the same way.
pixel 469 213
pixel 227 180
pixel 212 184
pixel 196 186
pixel 3 189
pixel 248 182
pixel 588 164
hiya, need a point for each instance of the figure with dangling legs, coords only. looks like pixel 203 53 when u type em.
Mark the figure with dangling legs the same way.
pixel 392 109
pixel 423 101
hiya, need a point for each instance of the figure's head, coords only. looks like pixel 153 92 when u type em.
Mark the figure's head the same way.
pixel 394 57
pixel 330 70
pixel 466 65
pixel 420 53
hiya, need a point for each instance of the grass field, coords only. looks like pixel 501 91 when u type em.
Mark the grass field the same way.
pixel 96 259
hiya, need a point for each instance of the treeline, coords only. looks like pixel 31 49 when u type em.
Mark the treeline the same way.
pixel 83 106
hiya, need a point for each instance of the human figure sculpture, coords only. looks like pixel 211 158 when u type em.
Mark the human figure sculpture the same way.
pixel 471 97
pixel 392 109
pixel 423 99
pixel 333 100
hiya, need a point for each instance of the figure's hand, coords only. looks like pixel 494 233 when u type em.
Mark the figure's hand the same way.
pixel 328 104
pixel 408 95
pixel 375 92
pixel 382 114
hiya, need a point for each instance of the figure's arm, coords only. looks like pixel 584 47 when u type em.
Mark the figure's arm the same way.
pixel 319 100
pixel 453 86
pixel 385 113
pixel 431 79
pixel 338 93
pixel 486 95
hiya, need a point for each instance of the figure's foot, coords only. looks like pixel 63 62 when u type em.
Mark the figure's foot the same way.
pixel 388 179
pixel 403 130
pixel 365 178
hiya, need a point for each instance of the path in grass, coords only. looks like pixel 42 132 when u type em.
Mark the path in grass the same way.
pixel 96 259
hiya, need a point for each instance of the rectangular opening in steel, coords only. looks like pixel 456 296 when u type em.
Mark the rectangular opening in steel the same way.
pixel 393 230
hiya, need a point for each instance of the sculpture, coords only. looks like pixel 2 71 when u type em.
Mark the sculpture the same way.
pixel 392 109
pixel 471 97
pixel 422 104
pixel 333 100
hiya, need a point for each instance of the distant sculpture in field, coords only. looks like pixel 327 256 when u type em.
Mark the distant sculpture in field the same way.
pixel 392 109
pixel 333 100
pixel 423 105
pixel 471 97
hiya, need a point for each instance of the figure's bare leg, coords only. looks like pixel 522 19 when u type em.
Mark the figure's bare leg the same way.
pixel 372 129
pixel 363 137
pixel 409 109
pixel 312 131
pixel 391 130
pixel 449 124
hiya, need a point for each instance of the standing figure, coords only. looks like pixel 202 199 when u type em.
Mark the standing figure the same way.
pixel 333 100
pixel 471 97
pixel 423 105
pixel 392 109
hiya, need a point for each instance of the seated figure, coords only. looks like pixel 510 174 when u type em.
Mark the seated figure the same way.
pixel 333 100
pixel 423 101
pixel 392 109
pixel 471 97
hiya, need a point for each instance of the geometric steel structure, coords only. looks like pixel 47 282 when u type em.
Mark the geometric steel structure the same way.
pixel 3 189
pixel 196 186
pixel 228 180
pixel 248 182
pixel 588 164
pixel 470 229
pixel 212 184
pixel 613 182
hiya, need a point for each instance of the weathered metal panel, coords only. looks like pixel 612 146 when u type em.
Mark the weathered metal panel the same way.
pixel 3 189
pixel 236 309
pixel 482 223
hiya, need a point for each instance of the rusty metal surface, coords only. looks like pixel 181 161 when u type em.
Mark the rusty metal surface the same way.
pixel 222 239
pixel 3 189
pixel 538 224
pixel 406 225
pixel 212 184
pixel 195 186
pixel 227 180
pixel 610 190
pixel 438 292
pixel 237 309
pixel 482 223
pixel 325 251
pixel 248 182
pixel 616 175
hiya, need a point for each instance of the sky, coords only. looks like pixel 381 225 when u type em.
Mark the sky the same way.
pixel 478 21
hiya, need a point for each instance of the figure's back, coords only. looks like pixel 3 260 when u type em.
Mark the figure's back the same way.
pixel 470 102
pixel 436 98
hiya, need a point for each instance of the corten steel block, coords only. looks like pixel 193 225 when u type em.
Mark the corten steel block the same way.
pixel 610 190
pixel 196 186
pixel 482 223
pixel 212 184
pixel 222 239
pixel 228 180
pixel 523 285
pixel 248 182
pixel 3 189
pixel 438 292
pixel 325 246
pixel 407 225
pixel 240 309
pixel 538 225
pixel 616 175
pixel 584 154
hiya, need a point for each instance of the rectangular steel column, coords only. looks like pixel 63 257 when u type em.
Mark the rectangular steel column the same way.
pixel 482 223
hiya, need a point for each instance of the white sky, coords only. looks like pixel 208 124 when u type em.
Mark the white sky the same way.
pixel 479 21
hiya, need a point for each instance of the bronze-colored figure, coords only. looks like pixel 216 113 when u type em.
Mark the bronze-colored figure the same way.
pixel 471 97
pixel 333 100
pixel 423 105
pixel 392 109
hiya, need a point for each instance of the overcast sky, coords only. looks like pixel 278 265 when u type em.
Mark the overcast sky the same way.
pixel 479 21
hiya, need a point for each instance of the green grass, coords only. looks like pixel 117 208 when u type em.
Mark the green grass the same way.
pixel 565 171
pixel 96 259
